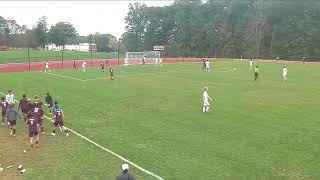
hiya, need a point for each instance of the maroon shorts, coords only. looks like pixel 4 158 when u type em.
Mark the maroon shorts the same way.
pixel 13 123
pixel 33 133
pixel 56 123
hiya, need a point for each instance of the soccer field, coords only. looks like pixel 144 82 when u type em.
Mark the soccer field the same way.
pixel 268 129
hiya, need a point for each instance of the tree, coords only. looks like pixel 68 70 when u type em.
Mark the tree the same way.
pixel 63 33
pixel 41 32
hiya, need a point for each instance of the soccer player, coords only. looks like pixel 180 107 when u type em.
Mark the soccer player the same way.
pixel 38 113
pixel 303 59
pixel 33 130
pixel 24 106
pixel 10 97
pixel 203 64
pixel 207 63
pixel 58 121
pixel 256 73
pixel 284 73
pixel 277 59
pixel 251 64
pixel 84 66
pixel 74 65
pixel 206 98
pixel 46 67
pixel 4 107
pixel 160 61
pixel 102 66
pixel 12 116
pixel 111 73
pixel 56 107
pixel 144 60
pixel 49 102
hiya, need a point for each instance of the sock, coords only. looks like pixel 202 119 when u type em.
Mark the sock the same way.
pixel 42 129
pixel 54 131
pixel 203 109
pixel 37 142
pixel 31 145
pixel 14 131
pixel 3 120
pixel 66 131
pixel 207 108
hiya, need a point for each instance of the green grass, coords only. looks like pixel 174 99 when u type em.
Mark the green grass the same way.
pixel 267 129
pixel 36 55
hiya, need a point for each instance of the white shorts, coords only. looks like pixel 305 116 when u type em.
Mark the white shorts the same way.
pixel 284 74
pixel 206 103
pixel 207 67
pixel 47 67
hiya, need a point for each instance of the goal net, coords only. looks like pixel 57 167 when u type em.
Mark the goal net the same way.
pixel 150 57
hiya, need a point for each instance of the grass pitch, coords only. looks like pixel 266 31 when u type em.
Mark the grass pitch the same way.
pixel 153 116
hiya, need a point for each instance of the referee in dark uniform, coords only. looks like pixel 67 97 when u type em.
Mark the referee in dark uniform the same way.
pixel 125 174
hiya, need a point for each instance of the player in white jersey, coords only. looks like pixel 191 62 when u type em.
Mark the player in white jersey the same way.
pixel 47 67
pixel 251 64
pixel 84 66
pixel 206 98
pixel 156 61
pixel 284 73
pixel 10 97
pixel 207 63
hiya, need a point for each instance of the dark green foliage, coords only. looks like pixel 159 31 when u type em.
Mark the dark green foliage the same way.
pixel 227 28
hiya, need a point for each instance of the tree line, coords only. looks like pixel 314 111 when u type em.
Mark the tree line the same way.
pixel 289 29
pixel 14 35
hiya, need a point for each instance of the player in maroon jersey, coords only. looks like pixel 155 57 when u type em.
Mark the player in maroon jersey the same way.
pixel 23 105
pixel 4 107
pixel 33 130
pixel 74 65
pixel 58 121
pixel 38 113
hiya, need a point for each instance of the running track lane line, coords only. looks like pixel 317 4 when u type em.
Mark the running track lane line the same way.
pixel 107 150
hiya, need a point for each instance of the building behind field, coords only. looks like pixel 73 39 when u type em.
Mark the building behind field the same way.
pixel 85 47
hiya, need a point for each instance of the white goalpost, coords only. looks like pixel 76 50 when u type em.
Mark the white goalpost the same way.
pixel 145 57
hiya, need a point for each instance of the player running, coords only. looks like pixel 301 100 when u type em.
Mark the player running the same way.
pixel 111 73
pixel 203 64
pixel 84 66
pixel 74 65
pixel 256 73
pixel 33 130
pixel 251 64
pixel 4 107
pixel 206 98
pixel 144 60
pixel 38 113
pixel 12 116
pixel 46 67
pixel 49 102
pixel 58 121
pixel 102 66
pixel 24 106
pixel 284 73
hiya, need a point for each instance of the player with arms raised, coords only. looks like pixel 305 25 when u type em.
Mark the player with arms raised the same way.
pixel 206 98
pixel 58 121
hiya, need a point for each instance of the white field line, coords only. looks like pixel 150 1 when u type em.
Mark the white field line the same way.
pixel 68 77
pixel 107 150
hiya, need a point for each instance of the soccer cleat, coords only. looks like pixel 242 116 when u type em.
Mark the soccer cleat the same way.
pixel 53 134
pixel 67 134
pixel 60 128
pixel 14 135
pixel 43 132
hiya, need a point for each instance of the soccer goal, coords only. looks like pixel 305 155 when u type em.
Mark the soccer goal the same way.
pixel 147 57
